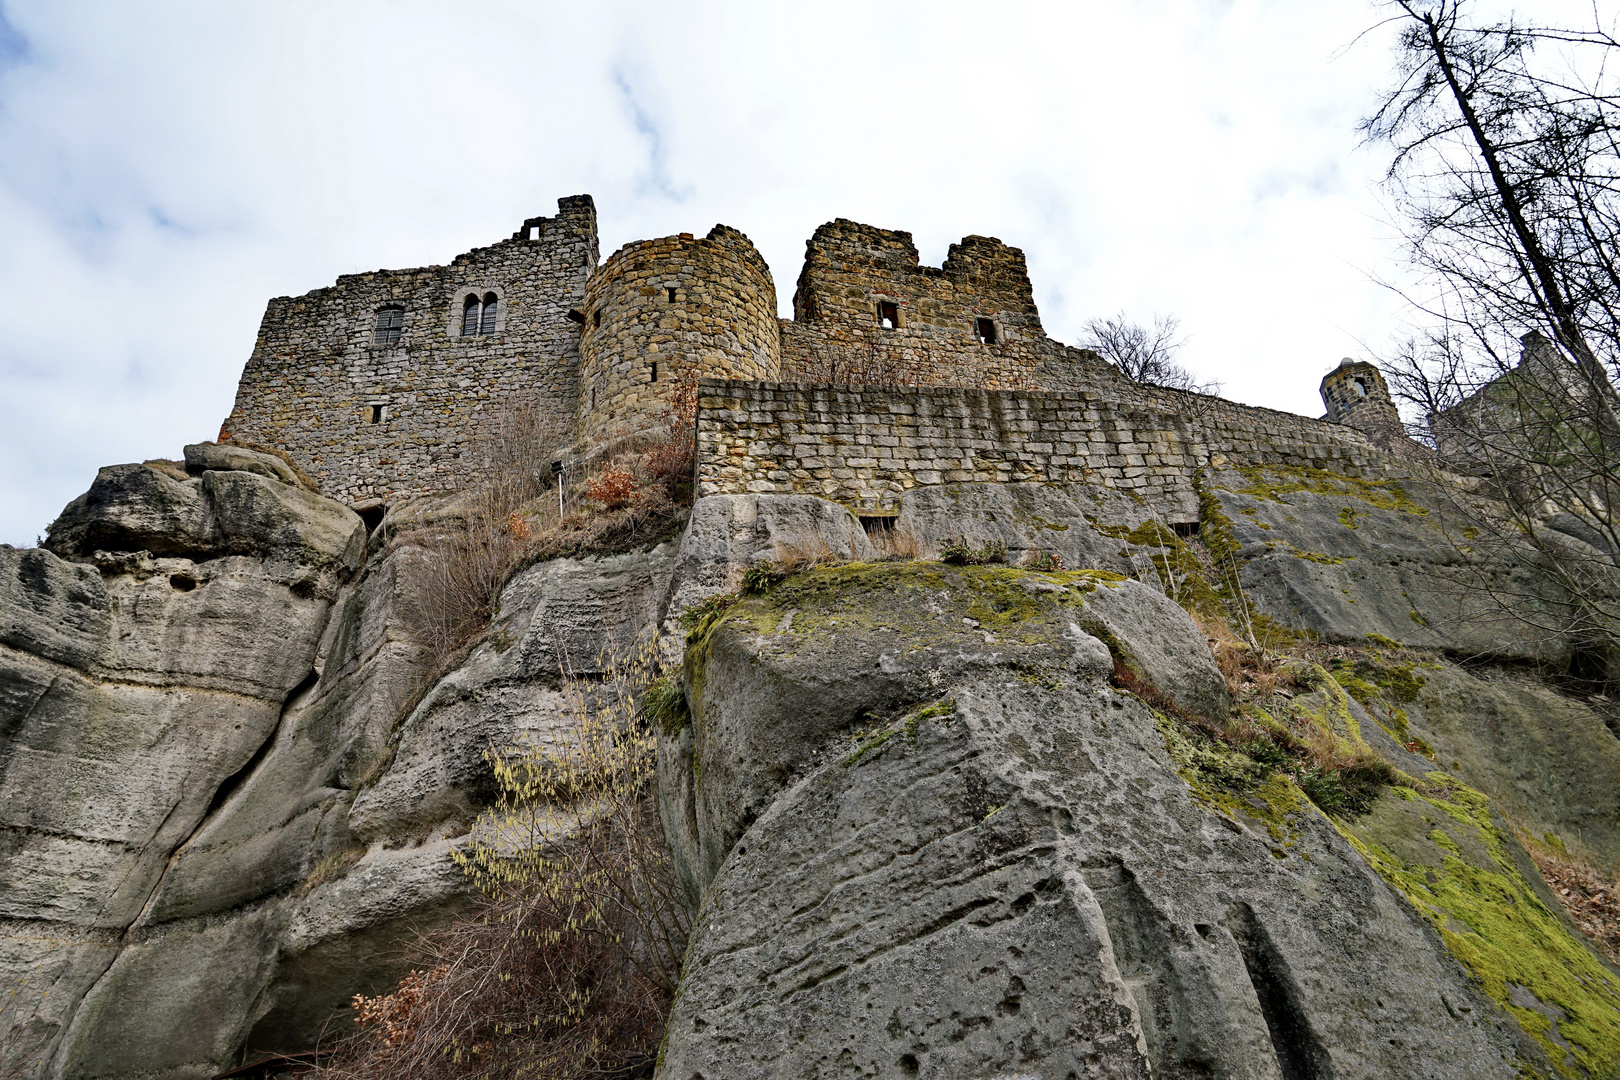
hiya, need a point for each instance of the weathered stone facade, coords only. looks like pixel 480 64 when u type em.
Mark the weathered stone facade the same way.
pixel 865 311
pixel 661 310
pixel 890 375
pixel 372 414
pixel 866 446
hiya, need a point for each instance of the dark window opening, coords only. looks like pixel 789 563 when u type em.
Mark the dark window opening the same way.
pixel 986 329
pixel 575 315
pixel 1185 529
pixel 670 290
pixel 888 314
pixel 376 414
pixel 1361 387
pixel 390 325
pixel 876 523
pixel 654 372
pixel 478 316
pixel 597 319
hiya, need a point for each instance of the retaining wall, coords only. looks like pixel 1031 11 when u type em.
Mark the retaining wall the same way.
pixel 866 447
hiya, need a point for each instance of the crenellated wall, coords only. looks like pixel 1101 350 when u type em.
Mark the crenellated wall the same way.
pixel 369 417
pixel 866 446
pixel 666 309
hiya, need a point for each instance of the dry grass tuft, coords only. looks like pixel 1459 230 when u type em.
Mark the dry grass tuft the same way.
pixel 174 470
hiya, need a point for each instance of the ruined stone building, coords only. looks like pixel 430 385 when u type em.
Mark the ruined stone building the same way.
pixel 890 374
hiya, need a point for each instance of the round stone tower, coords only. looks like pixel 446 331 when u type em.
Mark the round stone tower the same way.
pixel 1357 396
pixel 660 311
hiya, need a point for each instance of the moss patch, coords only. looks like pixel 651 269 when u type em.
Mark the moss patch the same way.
pixel 1273 482
pixel 1446 856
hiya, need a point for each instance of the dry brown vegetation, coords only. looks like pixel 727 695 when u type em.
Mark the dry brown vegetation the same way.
pixel 506 515
pixel 1591 897
pixel 567 966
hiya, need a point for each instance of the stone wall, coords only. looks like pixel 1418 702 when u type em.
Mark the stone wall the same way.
pixel 864 447
pixel 837 335
pixel 662 310
pixel 369 418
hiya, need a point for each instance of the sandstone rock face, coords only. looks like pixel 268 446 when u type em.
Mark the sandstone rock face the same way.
pixel 228 794
pixel 927 835
pixel 931 843
pixel 139 690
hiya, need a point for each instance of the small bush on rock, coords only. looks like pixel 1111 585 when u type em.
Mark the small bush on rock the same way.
pixel 567 965
pixel 960 553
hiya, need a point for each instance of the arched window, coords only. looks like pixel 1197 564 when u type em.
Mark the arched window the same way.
pixel 478 316
pixel 390 325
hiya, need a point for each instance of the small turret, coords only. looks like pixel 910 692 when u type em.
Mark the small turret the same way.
pixel 1357 396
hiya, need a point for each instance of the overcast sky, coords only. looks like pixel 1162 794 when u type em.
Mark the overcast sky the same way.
pixel 167 167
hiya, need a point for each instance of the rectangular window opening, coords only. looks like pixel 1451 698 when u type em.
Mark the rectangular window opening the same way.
pixel 670 290
pixel 888 314
pixel 654 372
pixel 576 315
pixel 534 232
pixel 596 319
pixel 986 329
pixel 376 414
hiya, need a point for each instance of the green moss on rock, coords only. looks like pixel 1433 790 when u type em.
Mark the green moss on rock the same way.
pixel 1446 856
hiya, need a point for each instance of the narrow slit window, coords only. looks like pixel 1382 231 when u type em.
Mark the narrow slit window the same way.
pixel 469 316
pixel 888 314
pixel 596 318
pixel 654 372
pixel 670 290
pixel 487 326
pixel 986 329
pixel 376 414
pixel 390 325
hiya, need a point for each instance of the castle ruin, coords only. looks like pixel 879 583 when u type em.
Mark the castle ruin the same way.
pixel 890 374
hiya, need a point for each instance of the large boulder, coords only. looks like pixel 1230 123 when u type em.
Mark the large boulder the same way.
pixel 835 647
pixel 931 839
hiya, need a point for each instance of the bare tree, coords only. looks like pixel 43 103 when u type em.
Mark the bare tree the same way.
pixel 1505 172
pixel 1144 354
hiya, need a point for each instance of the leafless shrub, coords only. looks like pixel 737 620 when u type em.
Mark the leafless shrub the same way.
pixel 1144 354
pixel 568 965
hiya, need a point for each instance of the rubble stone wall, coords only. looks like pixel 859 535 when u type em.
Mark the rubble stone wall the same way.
pixel 370 418
pixel 865 447
pixel 850 269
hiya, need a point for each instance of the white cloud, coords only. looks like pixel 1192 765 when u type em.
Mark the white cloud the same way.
pixel 167 167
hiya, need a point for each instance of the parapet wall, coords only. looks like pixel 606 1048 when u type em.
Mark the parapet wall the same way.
pixel 865 447
pixel 667 309
pixel 851 271
pixel 370 417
